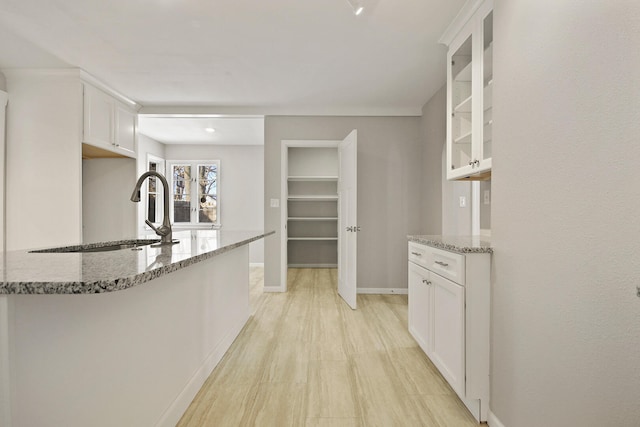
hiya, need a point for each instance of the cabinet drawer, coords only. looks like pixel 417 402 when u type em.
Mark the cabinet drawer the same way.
pixel 447 264
pixel 420 254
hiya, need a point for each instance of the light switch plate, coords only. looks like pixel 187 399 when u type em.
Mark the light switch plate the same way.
pixel 463 201
pixel 275 203
pixel 487 197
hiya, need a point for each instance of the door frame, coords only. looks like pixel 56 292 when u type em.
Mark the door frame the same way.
pixel 284 196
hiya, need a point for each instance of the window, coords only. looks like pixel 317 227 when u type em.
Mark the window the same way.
pixel 154 190
pixel 195 197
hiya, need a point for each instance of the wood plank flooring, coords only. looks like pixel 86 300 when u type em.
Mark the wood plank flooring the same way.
pixel 306 359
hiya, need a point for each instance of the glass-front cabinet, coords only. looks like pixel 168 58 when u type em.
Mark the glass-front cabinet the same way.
pixel 469 94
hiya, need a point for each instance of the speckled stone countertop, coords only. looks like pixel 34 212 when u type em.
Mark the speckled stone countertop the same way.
pixel 25 272
pixel 461 244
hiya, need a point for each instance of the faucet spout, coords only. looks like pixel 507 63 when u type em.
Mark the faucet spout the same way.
pixel 164 231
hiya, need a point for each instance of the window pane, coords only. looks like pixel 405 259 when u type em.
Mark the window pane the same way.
pixel 151 197
pixel 181 193
pixel 207 193
pixel 152 208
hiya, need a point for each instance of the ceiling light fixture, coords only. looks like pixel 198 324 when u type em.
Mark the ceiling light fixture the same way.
pixel 210 130
pixel 356 6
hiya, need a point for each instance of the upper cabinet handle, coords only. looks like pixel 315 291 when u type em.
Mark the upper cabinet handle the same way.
pixel 444 264
pixel 416 253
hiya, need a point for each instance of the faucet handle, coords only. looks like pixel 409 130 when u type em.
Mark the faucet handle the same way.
pixel 150 224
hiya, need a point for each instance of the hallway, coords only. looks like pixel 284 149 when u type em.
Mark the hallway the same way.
pixel 305 359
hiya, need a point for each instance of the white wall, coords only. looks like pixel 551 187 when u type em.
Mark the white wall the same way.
pixel 433 131
pixel 389 184
pixel 241 185
pixel 3 105
pixel 146 146
pixel 43 160
pixel 5 370
pixel 565 227
pixel 456 219
pixel 107 211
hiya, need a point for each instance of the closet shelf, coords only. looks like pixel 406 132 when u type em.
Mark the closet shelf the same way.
pixel 309 218
pixel 312 197
pixel 312 178
pixel 312 238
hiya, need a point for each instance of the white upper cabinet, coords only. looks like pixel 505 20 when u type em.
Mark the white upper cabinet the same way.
pixel 469 92
pixel 108 123
pixel 126 124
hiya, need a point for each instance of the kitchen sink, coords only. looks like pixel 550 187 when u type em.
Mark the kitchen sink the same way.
pixel 101 247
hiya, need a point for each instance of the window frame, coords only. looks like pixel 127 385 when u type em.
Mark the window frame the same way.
pixel 194 215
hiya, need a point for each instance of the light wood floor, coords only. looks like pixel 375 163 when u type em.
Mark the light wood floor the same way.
pixel 306 359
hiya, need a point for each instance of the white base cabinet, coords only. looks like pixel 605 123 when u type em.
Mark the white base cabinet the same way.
pixel 449 303
pixel 447 328
pixel 420 306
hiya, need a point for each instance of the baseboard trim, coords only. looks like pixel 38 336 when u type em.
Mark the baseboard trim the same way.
pixel 383 291
pixel 256 264
pixel 174 412
pixel 273 289
pixel 493 421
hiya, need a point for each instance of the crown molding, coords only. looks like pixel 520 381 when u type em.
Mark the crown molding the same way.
pixel 77 73
pixel 459 21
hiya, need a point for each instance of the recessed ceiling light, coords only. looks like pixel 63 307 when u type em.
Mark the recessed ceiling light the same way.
pixel 210 130
pixel 356 6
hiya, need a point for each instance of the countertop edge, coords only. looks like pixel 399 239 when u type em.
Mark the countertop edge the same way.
pixel 439 243
pixel 117 284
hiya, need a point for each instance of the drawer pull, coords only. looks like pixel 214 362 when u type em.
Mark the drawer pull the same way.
pixel 428 282
pixel 416 253
pixel 444 264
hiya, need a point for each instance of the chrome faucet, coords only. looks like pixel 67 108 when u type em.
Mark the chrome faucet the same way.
pixel 164 231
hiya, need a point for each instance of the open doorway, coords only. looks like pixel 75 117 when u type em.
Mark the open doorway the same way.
pixel 319 211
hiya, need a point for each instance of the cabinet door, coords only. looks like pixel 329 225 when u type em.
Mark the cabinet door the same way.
pixel 125 130
pixel 485 50
pixel 448 331
pixel 469 97
pixel 420 300
pixel 460 100
pixel 98 117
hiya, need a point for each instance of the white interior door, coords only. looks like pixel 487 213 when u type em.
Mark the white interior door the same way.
pixel 348 217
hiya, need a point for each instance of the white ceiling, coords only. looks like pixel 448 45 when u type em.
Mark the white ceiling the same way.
pixel 243 57
pixel 192 130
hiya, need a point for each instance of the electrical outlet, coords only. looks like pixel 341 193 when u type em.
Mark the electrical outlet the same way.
pixel 275 203
pixel 463 202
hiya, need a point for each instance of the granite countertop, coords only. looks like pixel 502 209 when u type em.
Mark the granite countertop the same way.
pixel 25 272
pixel 460 244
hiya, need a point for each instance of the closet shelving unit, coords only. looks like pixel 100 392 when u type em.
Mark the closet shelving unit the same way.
pixel 312 207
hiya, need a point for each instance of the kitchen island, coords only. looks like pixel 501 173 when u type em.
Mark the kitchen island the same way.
pixel 124 337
